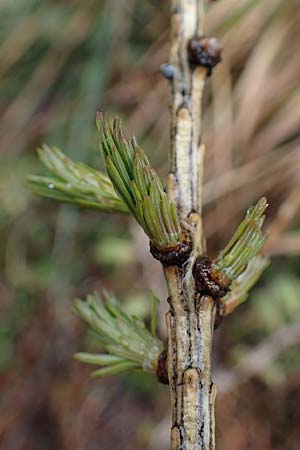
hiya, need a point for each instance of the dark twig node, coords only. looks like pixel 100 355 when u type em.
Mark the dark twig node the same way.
pixel 205 52
pixel 161 369
pixel 174 255
pixel 210 281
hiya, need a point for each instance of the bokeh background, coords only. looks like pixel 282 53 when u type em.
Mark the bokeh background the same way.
pixel 60 61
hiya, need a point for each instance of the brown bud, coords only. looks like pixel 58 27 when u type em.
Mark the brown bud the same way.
pixel 162 369
pixel 205 52
pixel 173 255
pixel 210 281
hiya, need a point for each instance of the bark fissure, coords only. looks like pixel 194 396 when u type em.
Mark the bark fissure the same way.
pixel 190 320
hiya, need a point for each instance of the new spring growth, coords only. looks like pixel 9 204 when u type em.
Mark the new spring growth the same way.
pixel 139 186
pixel 132 186
pixel 75 182
pixel 246 242
pixel 128 344
pixel 242 285
pixel 214 278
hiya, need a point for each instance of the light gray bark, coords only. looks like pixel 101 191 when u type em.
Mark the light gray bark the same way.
pixel 190 320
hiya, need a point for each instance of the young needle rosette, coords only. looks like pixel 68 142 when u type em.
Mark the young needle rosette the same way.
pixel 127 343
pixel 215 278
pixel 74 182
pixel 139 186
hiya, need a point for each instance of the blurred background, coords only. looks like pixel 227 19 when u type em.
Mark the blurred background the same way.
pixel 60 61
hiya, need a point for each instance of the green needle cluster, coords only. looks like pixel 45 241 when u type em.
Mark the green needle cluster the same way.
pixel 245 243
pixel 75 182
pixel 128 343
pixel 242 285
pixel 138 184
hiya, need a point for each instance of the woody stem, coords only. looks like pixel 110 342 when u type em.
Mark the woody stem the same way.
pixel 190 320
